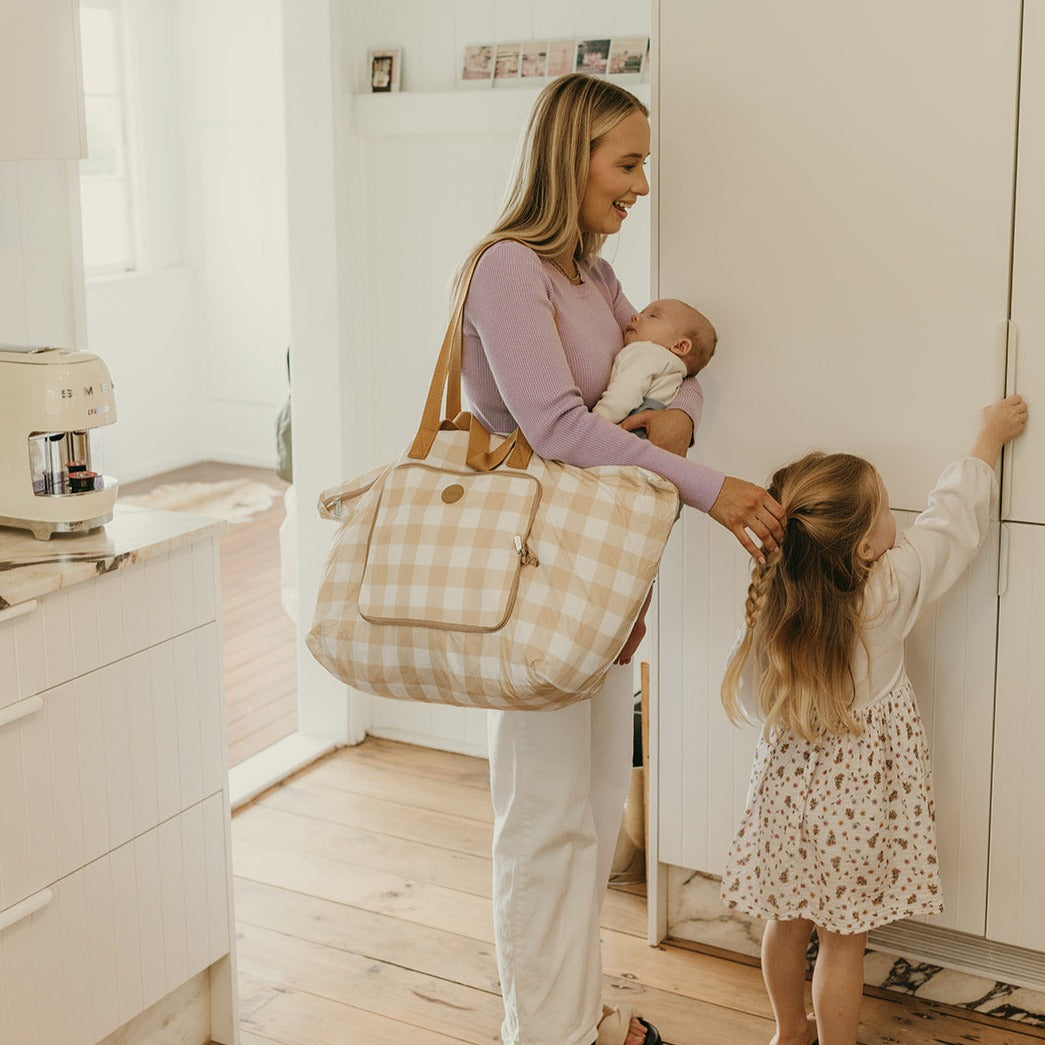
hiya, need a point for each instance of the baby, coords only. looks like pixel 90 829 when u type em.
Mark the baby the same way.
pixel 663 344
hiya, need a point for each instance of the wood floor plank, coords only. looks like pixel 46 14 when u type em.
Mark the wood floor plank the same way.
pixel 302 1018
pixel 455 1010
pixel 430 762
pixel 435 952
pixel 306 798
pixel 422 902
pixel 358 849
pixel 439 795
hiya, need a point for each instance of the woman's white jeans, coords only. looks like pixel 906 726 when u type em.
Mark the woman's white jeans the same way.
pixel 558 780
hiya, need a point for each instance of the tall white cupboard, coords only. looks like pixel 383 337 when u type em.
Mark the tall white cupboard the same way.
pixel 855 194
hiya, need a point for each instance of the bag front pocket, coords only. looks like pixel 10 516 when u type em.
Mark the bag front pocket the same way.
pixel 446 548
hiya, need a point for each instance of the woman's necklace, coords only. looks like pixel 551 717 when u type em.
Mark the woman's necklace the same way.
pixel 576 280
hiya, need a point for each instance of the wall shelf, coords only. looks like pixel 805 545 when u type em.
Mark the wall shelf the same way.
pixel 465 111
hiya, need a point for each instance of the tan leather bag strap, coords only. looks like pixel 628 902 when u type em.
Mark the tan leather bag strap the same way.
pixel 447 377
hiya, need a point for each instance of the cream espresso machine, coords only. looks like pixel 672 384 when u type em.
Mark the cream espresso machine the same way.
pixel 52 402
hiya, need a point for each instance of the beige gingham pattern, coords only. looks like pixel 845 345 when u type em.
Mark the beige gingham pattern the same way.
pixel 442 550
pixel 598 535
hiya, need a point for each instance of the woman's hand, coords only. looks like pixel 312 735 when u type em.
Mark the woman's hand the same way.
pixel 742 506
pixel 638 632
pixel 669 429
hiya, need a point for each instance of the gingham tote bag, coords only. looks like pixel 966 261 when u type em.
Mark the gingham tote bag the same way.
pixel 482 577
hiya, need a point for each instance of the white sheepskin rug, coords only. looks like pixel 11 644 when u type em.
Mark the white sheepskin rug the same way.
pixel 233 499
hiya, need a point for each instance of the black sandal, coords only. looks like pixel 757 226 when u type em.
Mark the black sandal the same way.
pixel 652 1034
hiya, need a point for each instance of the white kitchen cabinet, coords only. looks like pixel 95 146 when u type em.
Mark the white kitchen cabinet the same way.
pixel 41 81
pixel 1025 492
pixel 835 188
pixel 1016 901
pixel 114 849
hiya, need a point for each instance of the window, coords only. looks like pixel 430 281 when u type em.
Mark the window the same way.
pixel 105 189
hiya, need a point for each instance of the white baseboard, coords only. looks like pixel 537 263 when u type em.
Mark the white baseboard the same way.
pixel 267 768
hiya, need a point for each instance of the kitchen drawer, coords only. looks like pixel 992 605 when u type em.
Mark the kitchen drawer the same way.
pixel 74 630
pixel 117 935
pixel 101 759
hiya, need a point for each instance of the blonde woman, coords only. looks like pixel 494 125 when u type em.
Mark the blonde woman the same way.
pixel 839 832
pixel 543 319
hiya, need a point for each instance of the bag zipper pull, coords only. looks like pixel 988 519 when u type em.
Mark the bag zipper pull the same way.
pixel 526 557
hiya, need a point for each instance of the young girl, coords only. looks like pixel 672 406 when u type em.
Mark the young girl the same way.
pixel 839 831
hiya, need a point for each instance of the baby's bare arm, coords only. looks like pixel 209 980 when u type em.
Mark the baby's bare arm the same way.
pixel 999 422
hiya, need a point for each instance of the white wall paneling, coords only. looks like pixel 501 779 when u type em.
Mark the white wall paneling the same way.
pixel 41 268
pixel 1016 904
pixel 1025 494
pixel 40 66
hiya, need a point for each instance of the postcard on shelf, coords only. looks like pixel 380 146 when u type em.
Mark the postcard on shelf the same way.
pixel 627 57
pixel 506 64
pixel 592 56
pixel 533 61
pixel 562 57
pixel 477 70
pixel 384 68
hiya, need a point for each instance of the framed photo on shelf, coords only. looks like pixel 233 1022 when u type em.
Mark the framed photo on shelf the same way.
pixel 627 56
pixel 477 68
pixel 384 70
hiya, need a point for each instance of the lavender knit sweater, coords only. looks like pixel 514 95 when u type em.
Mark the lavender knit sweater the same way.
pixel 537 354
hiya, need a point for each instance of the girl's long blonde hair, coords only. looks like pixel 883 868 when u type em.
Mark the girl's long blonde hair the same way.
pixel 803 606
pixel 542 206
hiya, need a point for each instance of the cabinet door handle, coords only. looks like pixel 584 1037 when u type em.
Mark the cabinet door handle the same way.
pixel 1003 561
pixel 1011 385
pixel 17 610
pixel 30 905
pixel 21 709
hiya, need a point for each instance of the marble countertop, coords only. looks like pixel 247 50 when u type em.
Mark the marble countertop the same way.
pixel 30 568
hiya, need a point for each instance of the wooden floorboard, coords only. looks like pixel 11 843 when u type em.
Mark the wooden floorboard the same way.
pixel 260 640
pixel 363 915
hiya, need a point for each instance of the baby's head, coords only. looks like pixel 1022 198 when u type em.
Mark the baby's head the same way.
pixel 679 328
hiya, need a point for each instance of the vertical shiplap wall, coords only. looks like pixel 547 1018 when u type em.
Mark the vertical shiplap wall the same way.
pixel 41 258
pixel 413 200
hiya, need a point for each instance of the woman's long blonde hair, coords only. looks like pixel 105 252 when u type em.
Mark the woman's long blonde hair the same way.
pixel 803 608
pixel 543 203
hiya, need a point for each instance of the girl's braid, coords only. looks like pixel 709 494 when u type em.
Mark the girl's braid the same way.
pixel 761 578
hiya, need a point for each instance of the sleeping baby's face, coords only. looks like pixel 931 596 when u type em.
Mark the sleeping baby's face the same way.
pixel 678 327
pixel 661 322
